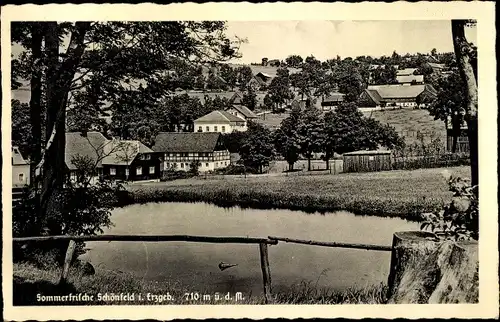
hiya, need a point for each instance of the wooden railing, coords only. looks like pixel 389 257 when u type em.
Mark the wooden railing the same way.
pixel 263 247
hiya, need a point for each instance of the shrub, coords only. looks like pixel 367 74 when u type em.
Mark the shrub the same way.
pixel 459 219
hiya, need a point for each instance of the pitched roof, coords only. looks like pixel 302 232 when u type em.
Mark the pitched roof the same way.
pixel 334 97
pixel 410 78
pixel 245 111
pixel 86 145
pixel 220 117
pixel 186 142
pixel 397 91
pixel 406 71
pixel 17 157
pixel 435 65
pixel 374 95
pixel 123 152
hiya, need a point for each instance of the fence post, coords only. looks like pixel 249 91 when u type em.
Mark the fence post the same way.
pixel 266 272
pixel 67 262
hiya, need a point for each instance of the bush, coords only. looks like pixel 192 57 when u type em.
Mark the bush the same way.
pixel 82 211
pixel 234 169
pixel 459 219
pixel 170 175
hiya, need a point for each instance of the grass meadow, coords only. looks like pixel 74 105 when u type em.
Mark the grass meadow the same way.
pixel 404 194
pixel 30 280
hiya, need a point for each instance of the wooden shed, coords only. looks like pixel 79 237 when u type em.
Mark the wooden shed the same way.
pixel 367 161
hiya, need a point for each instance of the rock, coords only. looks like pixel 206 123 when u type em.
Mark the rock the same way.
pixel 424 270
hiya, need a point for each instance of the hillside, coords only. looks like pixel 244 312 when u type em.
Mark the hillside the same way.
pixel 409 122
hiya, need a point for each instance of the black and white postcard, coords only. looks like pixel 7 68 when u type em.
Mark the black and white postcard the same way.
pixel 249 160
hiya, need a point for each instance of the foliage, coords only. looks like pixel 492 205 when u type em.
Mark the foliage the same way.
pixel 249 99
pixel 234 140
pixel 279 92
pixel 384 75
pixel 287 140
pixel 194 167
pixel 229 74
pixel 21 127
pixel 459 220
pixel 294 61
pixel 310 133
pixel 450 104
pixel 244 75
pixel 258 150
pixel 349 131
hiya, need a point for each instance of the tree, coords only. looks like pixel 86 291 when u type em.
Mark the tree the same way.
pixel 250 99
pixel 450 104
pixel 294 61
pixel 279 89
pixel 309 129
pixel 125 151
pixel 194 167
pixel 21 128
pixel 108 58
pixel 384 75
pixel 346 130
pixel 244 75
pixel 349 78
pixel 287 140
pixel 464 53
pixel 229 74
pixel 258 150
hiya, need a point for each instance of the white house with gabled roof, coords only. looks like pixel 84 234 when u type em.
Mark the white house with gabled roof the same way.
pixel 221 122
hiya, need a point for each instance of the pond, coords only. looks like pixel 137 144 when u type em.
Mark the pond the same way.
pixel 196 264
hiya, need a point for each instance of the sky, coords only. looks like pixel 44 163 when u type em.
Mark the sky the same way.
pixel 327 39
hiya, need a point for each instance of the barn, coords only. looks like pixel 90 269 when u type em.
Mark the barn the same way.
pixel 367 161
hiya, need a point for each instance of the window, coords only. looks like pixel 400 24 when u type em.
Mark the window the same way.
pixel 208 128
pixel 148 156
pixel 127 172
pixel 112 171
pixel 215 128
pixel 168 164
pixel 151 170
pixel 174 165
pixel 138 171
pixel 141 157
pixel 223 129
pixel 200 129
pixel 167 155
pixel 206 164
pixel 21 177
pixel 182 165
pixel 216 164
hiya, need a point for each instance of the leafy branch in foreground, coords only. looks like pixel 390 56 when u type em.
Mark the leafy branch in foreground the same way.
pixel 460 219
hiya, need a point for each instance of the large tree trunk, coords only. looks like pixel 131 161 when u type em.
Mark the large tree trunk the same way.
pixel 462 52
pixel 36 95
pixel 59 78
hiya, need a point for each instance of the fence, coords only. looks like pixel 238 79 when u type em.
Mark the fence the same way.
pixel 262 242
pixel 433 161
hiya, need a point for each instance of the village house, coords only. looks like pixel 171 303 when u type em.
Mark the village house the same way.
pixel 406 71
pixel 242 111
pixel 436 68
pixel 410 79
pixel 181 149
pixel 20 169
pixel 264 78
pixel 332 101
pixel 220 121
pixel 130 160
pixel 397 95
pixel 112 159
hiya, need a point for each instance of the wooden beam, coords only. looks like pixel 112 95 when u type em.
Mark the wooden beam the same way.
pixel 333 244
pixel 67 262
pixel 151 238
pixel 266 272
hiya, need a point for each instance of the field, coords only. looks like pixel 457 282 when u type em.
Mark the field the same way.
pixel 404 194
pixel 408 122
pixel 30 281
